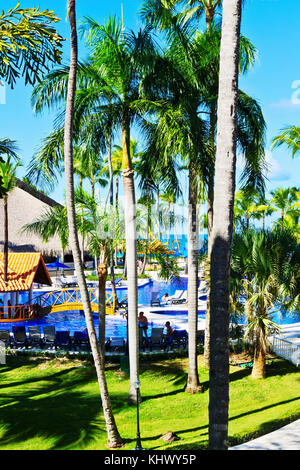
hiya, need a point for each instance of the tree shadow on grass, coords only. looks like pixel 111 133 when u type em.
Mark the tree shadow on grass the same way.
pixel 52 411
pixel 60 421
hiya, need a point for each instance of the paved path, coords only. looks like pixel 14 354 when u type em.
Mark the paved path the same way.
pixel 286 438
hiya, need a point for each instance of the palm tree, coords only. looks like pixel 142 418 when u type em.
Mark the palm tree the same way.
pixel 265 265
pixel 243 206
pixel 261 208
pixel 53 221
pixel 111 84
pixel 7 147
pixel 289 136
pixel 114 438
pixel 199 57
pixel 286 200
pixel 123 60
pixel 223 225
pixel 8 183
pixel 28 42
pixel 97 226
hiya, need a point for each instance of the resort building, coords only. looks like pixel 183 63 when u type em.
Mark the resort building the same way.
pixel 25 204
pixel 16 295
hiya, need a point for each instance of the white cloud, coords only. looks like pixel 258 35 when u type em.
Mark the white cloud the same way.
pixel 275 171
pixel 286 104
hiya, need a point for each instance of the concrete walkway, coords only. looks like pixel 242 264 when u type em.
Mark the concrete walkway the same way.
pixel 286 438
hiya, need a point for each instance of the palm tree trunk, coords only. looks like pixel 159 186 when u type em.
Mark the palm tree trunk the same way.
pixel 102 276
pixel 117 215
pixel 111 203
pixel 114 439
pixel 5 241
pixel 259 360
pixel 223 225
pixel 210 202
pixel 131 260
pixel 193 384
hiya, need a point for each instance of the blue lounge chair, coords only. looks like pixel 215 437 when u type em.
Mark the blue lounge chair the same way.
pixel 155 300
pixel 62 339
pixel 179 338
pixel 200 337
pixel 49 335
pixel 157 337
pixel 20 337
pixel 5 337
pixel 116 343
pixel 35 337
pixel 81 338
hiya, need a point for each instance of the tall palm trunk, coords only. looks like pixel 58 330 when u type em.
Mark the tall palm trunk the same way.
pixel 117 215
pixel 259 360
pixel 223 225
pixel 193 384
pixel 102 276
pixel 131 260
pixel 111 204
pixel 5 241
pixel 210 202
pixel 114 439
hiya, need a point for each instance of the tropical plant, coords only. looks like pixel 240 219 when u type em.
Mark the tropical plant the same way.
pixel 290 137
pixel 243 206
pixel 8 182
pixel 223 225
pixel 261 208
pixel 265 279
pixel 114 439
pixel 28 42
pixel 9 148
pixel 287 201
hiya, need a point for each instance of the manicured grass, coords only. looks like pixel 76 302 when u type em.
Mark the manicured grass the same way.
pixel 55 404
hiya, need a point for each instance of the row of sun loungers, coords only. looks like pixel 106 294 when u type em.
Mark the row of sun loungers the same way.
pixel 62 339
pixel 49 338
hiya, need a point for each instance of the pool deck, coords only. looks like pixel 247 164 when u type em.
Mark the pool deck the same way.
pixel 164 309
pixel 286 438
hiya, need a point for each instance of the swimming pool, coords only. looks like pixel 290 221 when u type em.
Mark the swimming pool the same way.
pixel 117 326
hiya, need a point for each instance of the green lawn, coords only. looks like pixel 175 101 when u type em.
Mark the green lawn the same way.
pixel 54 404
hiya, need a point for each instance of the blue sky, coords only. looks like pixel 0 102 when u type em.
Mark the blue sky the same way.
pixel 273 27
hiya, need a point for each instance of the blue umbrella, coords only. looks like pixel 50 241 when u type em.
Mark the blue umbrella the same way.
pixel 57 265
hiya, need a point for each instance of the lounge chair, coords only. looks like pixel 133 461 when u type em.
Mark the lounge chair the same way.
pixel 115 343
pixel 35 337
pixel 155 300
pixel 5 337
pixel 179 338
pixel 62 339
pixel 123 303
pixel 20 337
pixel 118 281
pixel 179 297
pixel 49 335
pixel 200 337
pixel 157 337
pixel 81 338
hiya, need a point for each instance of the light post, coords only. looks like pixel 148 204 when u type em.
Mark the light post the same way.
pixel 137 386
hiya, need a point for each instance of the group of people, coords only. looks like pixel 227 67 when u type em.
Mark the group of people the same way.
pixel 143 324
